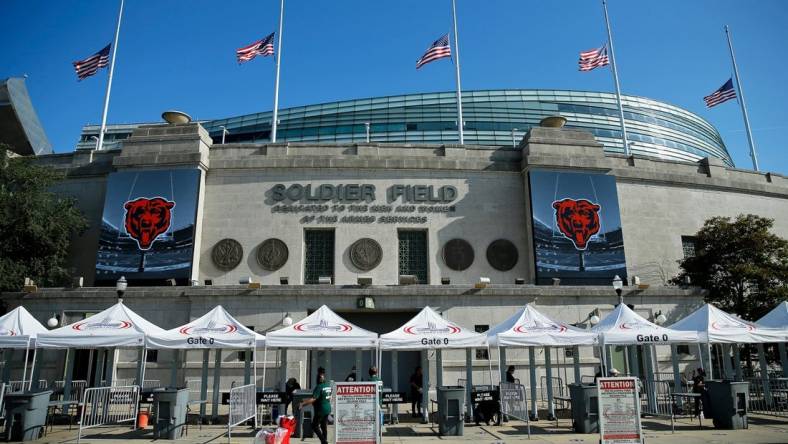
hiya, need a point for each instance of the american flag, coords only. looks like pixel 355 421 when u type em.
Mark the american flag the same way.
pixel 725 93
pixel 439 49
pixel 594 58
pixel 264 47
pixel 89 66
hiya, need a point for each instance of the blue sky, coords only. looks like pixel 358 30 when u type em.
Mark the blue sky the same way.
pixel 180 54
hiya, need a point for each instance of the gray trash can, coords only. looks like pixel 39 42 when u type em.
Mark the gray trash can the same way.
pixel 451 410
pixel 169 412
pixel 585 408
pixel 25 415
pixel 728 401
pixel 303 419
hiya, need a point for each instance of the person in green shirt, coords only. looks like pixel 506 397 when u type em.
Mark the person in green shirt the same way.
pixel 321 399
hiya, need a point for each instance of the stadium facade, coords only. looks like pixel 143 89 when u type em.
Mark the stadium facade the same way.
pixel 492 118
pixel 271 231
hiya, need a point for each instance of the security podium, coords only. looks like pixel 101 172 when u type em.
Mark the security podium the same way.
pixel 451 410
pixel 728 401
pixel 169 412
pixel 25 415
pixel 585 408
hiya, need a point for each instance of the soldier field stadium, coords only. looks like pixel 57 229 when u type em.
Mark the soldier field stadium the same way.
pixel 370 208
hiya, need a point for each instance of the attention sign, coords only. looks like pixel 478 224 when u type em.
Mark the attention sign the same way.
pixel 357 415
pixel 619 411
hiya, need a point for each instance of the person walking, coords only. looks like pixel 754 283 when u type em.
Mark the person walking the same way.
pixel 321 399
pixel 416 387
pixel 290 387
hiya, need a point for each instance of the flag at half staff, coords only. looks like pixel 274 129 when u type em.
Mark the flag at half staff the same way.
pixel 725 93
pixel 439 49
pixel 264 47
pixel 594 58
pixel 89 66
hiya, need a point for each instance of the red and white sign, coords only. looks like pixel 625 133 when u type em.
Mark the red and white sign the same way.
pixel 356 412
pixel 619 411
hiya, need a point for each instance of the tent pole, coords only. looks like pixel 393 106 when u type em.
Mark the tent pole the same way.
pixel 359 362
pixel 767 392
pixel 737 362
pixel 783 358
pixel 468 381
pixel 489 364
pixel 33 369
pixel 247 367
pixel 8 354
pixel 176 358
pixel 438 368
pixel 708 355
pixel 576 362
pixel 204 383
pixel 549 378
pixel 265 363
pixel 254 371
pixel 69 376
pixel 425 387
pixel 501 363
pixel 603 364
pixel 24 367
pixel 674 361
pixel 532 372
pixel 217 377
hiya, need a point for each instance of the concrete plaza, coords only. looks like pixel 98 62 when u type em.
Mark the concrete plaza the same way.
pixel 762 429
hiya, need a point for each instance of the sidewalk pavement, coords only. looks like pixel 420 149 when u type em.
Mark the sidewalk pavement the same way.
pixel 762 429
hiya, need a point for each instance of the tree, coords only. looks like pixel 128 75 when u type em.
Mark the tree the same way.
pixel 741 263
pixel 36 225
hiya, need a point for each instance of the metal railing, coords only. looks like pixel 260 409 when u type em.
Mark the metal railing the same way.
pixel 2 400
pixel 655 398
pixel 108 405
pixel 77 389
pixel 243 407
pixel 514 402
pixel 21 386
pixel 558 387
pixel 769 398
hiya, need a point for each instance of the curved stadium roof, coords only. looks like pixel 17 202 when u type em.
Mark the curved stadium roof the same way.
pixel 655 129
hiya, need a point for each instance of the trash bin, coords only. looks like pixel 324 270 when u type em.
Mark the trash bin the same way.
pixel 303 421
pixel 451 410
pixel 728 401
pixel 26 415
pixel 585 408
pixel 169 412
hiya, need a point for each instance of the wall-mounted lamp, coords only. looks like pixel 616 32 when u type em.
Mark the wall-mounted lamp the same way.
pixel 53 321
pixel 659 318
pixel 120 287
pixel 287 320
pixel 593 317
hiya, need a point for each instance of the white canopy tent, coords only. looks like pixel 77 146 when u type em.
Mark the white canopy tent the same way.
pixel 528 327
pixel 715 326
pixel 218 330
pixel 625 327
pixel 18 330
pixel 430 331
pixel 321 330
pixel 778 318
pixel 116 327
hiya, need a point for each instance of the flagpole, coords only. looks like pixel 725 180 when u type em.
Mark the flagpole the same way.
pixel 615 78
pixel 750 140
pixel 109 81
pixel 276 82
pixel 457 70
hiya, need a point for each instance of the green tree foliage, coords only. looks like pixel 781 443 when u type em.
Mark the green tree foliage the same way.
pixel 36 225
pixel 742 265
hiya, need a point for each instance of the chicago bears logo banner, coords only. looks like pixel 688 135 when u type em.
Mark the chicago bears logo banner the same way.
pixel 147 230
pixel 576 228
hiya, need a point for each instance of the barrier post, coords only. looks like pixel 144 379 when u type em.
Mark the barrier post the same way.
pixel 438 368
pixel 247 367
pixel 425 387
pixel 501 364
pixel 69 373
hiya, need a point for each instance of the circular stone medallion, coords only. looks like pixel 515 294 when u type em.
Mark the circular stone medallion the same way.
pixel 227 254
pixel 458 254
pixel 366 254
pixel 502 255
pixel 272 254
